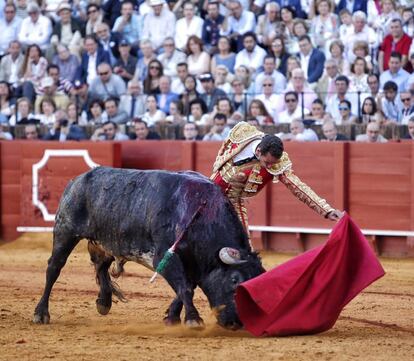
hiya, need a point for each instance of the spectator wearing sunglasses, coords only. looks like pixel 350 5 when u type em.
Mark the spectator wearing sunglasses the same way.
pixel 106 84
pixel 407 110
pixel 346 116
pixel 271 101
pixel 95 17
pixel 293 110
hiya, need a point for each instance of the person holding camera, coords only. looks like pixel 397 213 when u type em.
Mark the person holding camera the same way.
pixel 126 63
pixel 62 130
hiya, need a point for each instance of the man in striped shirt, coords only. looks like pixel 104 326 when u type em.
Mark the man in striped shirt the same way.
pixel 63 86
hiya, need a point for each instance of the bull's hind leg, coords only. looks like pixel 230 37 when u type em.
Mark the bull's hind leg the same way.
pixel 172 315
pixel 175 275
pixel 102 262
pixel 63 245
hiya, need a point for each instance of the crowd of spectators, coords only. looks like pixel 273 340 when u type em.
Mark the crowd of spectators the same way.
pixel 124 67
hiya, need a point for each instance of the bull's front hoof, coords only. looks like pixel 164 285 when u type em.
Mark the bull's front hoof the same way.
pixel 102 309
pixel 172 321
pixel 41 318
pixel 233 326
pixel 195 324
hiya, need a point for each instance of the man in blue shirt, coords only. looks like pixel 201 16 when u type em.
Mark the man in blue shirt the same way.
pixel 129 24
pixel 211 27
pixel 395 72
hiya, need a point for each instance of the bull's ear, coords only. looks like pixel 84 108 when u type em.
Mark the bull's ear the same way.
pixel 230 256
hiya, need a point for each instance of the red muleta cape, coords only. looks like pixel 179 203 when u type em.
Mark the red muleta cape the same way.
pixel 306 294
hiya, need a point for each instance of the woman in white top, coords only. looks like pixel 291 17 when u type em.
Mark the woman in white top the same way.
pixel 47 112
pixel 324 27
pixel 34 67
pixel 153 115
pixel 359 76
pixel 187 26
pixel 198 60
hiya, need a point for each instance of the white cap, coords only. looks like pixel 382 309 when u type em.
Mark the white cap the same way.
pixel 47 81
pixel 156 2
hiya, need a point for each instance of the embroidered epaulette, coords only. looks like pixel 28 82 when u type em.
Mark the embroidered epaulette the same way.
pixel 282 166
pixel 243 132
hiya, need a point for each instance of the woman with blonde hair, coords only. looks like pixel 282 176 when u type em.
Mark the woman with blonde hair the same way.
pixel 337 53
pixel 381 22
pixel 324 28
pixel 361 49
pixel 222 78
pixel 292 63
pixel 239 99
pixel 23 113
pixel 243 73
pixel 299 29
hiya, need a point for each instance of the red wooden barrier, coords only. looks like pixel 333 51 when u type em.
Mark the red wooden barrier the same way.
pixel 17 160
pixel 374 183
pixel 169 155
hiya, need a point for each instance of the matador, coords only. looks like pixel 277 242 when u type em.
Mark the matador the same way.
pixel 249 159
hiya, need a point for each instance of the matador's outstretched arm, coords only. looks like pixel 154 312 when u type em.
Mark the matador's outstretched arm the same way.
pixel 304 193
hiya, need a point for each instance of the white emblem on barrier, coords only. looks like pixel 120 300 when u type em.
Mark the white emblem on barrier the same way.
pixel 39 165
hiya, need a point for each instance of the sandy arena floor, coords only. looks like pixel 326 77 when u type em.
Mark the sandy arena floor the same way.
pixel 377 325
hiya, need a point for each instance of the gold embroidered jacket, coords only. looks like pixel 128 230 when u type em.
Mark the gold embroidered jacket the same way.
pixel 248 179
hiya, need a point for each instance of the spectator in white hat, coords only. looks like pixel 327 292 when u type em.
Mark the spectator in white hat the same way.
pixel 158 24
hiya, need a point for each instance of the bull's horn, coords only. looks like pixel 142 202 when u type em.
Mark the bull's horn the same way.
pixel 230 256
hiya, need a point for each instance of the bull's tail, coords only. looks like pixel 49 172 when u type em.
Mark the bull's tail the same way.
pixel 116 291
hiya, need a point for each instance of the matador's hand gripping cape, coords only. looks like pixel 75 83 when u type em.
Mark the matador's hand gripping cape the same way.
pixel 239 181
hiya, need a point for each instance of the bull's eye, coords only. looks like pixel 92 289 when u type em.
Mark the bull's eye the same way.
pixel 236 278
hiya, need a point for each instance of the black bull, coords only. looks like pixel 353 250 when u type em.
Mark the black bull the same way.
pixel 131 215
